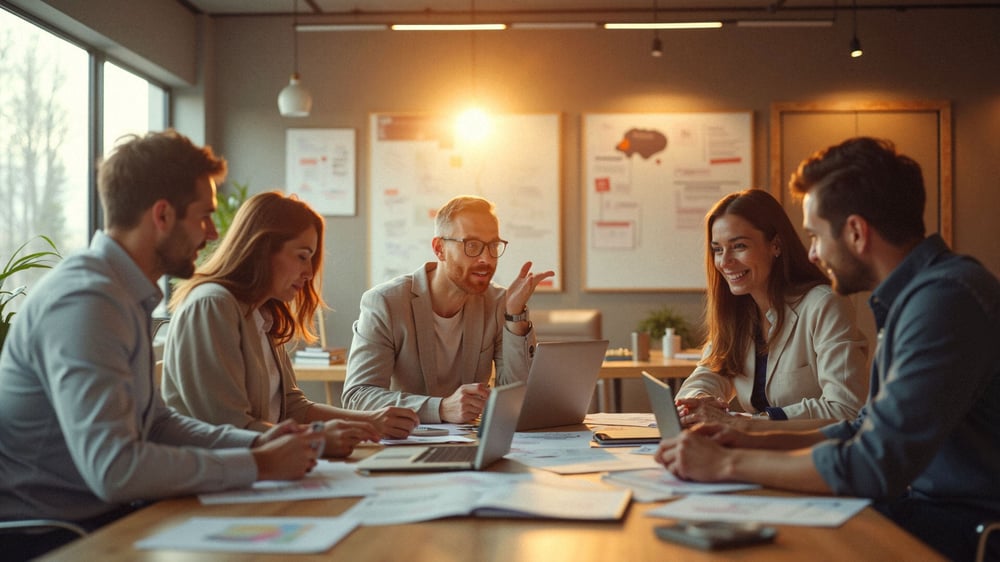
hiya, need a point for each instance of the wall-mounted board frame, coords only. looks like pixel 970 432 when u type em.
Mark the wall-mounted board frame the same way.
pixel 320 169
pixel 418 163
pixel 648 181
pixel 919 129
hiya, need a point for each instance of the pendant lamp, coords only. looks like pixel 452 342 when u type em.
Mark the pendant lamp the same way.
pixel 295 100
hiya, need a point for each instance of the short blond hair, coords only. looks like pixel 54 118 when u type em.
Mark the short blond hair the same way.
pixel 445 219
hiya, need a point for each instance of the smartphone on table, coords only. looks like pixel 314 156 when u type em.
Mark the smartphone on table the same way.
pixel 716 535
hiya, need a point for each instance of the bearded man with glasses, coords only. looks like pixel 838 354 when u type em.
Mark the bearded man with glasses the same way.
pixel 429 340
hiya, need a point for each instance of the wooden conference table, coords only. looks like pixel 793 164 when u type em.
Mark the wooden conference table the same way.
pixel 670 369
pixel 866 536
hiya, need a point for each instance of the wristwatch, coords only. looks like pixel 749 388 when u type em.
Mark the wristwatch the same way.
pixel 517 317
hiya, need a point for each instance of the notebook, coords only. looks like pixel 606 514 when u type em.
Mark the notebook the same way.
pixel 662 400
pixel 561 383
pixel 668 424
pixel 496 434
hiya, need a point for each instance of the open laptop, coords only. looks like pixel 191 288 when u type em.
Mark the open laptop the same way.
pixel 661 398
pixel 561 383
pixel 495 435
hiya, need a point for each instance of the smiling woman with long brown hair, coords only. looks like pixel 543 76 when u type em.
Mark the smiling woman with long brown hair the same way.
pixel 779 340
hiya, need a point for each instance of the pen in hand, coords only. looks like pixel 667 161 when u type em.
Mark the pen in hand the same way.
pixel 318 444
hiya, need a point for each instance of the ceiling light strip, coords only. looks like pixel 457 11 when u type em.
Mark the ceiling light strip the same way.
pixel 554 25
pixel 342 27
pixel 666 25
pixel 450 27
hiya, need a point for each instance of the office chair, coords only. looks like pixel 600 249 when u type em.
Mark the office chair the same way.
pixel 26 539
pixel 984 530
pixel 567 324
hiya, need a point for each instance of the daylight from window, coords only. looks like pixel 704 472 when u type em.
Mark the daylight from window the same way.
pixel 44 131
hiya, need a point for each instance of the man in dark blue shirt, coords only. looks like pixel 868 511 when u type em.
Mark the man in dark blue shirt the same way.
pixel 925 445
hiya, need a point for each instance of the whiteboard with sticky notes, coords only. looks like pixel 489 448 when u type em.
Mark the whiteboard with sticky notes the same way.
pixel 648 181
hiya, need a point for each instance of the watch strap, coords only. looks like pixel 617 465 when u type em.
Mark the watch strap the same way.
pixel 516 317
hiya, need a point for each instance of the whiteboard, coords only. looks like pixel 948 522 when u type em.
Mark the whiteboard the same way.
pixel 418 164
pixel 648 181
pixel 319 168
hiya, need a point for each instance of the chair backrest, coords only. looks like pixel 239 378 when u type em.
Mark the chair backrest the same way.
pixel 159 336
pixel 567 324
pixel 987 550
pixel 27 539
pixel 158 372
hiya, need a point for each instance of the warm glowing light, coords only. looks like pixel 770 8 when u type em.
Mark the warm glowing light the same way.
pixel 449 27
pixel 666 25
pixel 473 125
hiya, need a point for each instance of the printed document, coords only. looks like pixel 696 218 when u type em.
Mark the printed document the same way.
pixel 327 480
pixel 524 496
pixel 809 512
pixel 252 534
pixel 657 484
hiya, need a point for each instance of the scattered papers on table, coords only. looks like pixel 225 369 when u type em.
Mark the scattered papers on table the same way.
pixel 656 484
pixel 494 495
pixel 581 461
pixel 525 441
pixel 810 511
pixel 429 440
pixel 252 534
pixel 327 480
pixel 635 420
pixel 457 433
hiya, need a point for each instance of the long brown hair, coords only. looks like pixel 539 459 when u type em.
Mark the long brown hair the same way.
pixel 242 262
pixel 732 319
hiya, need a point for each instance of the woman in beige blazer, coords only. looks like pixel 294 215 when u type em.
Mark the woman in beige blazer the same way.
pixel 780 345
pixel 224 359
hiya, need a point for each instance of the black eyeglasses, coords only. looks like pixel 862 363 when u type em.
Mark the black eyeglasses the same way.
pixel 474 248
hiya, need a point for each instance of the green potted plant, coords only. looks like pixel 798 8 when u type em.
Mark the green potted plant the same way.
pixel 658 321
pixel 16 263
pixel 225 211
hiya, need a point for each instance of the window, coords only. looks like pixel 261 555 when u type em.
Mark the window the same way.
pixel 131 105
pixel 46 128
pixel 43 142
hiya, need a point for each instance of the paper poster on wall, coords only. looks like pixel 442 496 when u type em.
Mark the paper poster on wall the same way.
pixel 418 163
pixel 319 168
pixel 649 180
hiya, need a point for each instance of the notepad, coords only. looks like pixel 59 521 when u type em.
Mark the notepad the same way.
pixel 626 436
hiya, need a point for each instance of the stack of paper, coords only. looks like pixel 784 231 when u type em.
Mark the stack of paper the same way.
pixel 320 357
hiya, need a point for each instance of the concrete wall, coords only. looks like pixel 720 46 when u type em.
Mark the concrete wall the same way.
pixel 949 55
pixel 912 55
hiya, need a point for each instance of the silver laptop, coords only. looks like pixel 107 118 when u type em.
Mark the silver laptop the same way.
pixel 661 398
pixel 561 383
pixel 495 435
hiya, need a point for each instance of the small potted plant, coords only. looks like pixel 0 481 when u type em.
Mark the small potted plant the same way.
pixel 659 321
pixel 16 263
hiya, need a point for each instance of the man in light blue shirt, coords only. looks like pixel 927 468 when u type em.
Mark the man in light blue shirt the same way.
pixel 924 446
pixel 83 430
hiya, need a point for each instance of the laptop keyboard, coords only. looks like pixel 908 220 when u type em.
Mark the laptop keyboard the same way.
pixel 448 454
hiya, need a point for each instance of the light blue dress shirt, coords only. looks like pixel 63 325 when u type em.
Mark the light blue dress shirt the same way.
pixel 83 429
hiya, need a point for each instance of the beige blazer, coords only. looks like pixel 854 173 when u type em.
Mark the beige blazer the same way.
pixel 213 364
pixel 391 359
pixel 817 367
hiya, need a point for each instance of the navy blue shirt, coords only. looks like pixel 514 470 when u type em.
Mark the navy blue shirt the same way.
pixel 931 425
